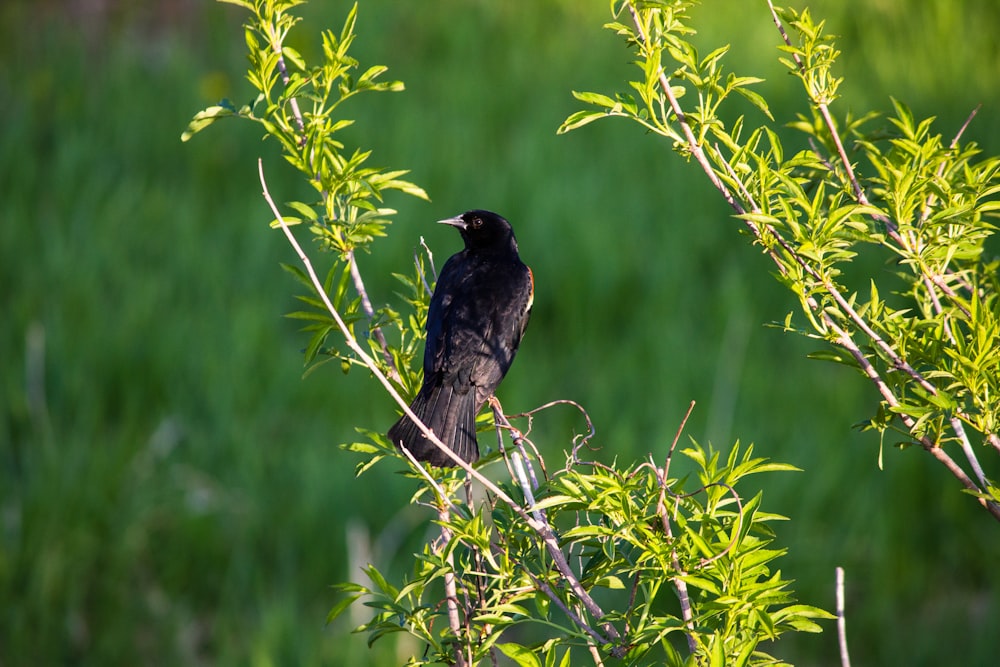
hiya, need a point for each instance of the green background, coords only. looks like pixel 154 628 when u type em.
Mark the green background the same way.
pixel 171 491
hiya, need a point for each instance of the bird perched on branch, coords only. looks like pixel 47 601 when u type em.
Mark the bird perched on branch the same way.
pixel 477 315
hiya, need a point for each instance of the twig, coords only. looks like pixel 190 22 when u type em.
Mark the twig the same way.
pixel 523 442
pixel 845 659
pixel 516 462
pixel 938 309
pixel 595 654
pixel 430 480
pixel 824 111
pixel 940 170
pixel 420 269
pixel 450 592
pixel 679 584
pixel 994 440
pixel 677 437
pixel 366 305
pixel 551 594
pixel 285 79
pixel 970 453
pixel 517 437
pixel 579 440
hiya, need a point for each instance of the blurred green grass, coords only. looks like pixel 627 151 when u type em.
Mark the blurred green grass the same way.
pixel 171 488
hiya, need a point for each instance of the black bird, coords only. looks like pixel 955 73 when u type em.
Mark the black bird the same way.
pixel 477 315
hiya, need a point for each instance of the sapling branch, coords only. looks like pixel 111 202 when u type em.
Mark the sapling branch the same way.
pixel 517 438
pixel 831 126
pixel 548 536
pixel 544 587
pixel 439 491
pixel 929 277
pixel 820 316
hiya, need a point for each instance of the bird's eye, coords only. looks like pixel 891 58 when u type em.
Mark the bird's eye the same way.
pixel 476 223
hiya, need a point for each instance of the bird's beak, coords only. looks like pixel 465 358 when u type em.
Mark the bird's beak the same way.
pixel 454 222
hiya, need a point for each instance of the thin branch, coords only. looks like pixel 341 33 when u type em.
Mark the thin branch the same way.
pixel 970 453
pixel 994 440
pixel 683 597
pixel 450 591
pixel 366 305
pixel 931 198
pixel 845 659
pixel 517 437
pixel 938 309
pixel 518 462
pixel 965 125
pixel 430 480
pixel 859 193
pixel 420 269
pixel 677 437
pixel 549 537
pixel 595 654
pixel 579 440
pixel 824 110
pixel 928 276
pixel 551 594
pixel 561 401
pixel 285 79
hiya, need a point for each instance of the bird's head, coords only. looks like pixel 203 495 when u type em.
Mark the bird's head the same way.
pixel 484 231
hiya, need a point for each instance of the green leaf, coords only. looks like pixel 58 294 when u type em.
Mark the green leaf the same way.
pixel 361 447
pixel 610 581
pixel 307 211
pixel 554 501
pixel 289 220
pixel 756 99
pixel 579 119
pixel 293 56
pixel 519 654
pixel 596 99
pixel 836 356
pixel 204 118
pixel 339 608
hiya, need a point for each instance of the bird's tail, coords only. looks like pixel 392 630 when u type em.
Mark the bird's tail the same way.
pixel 451 415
